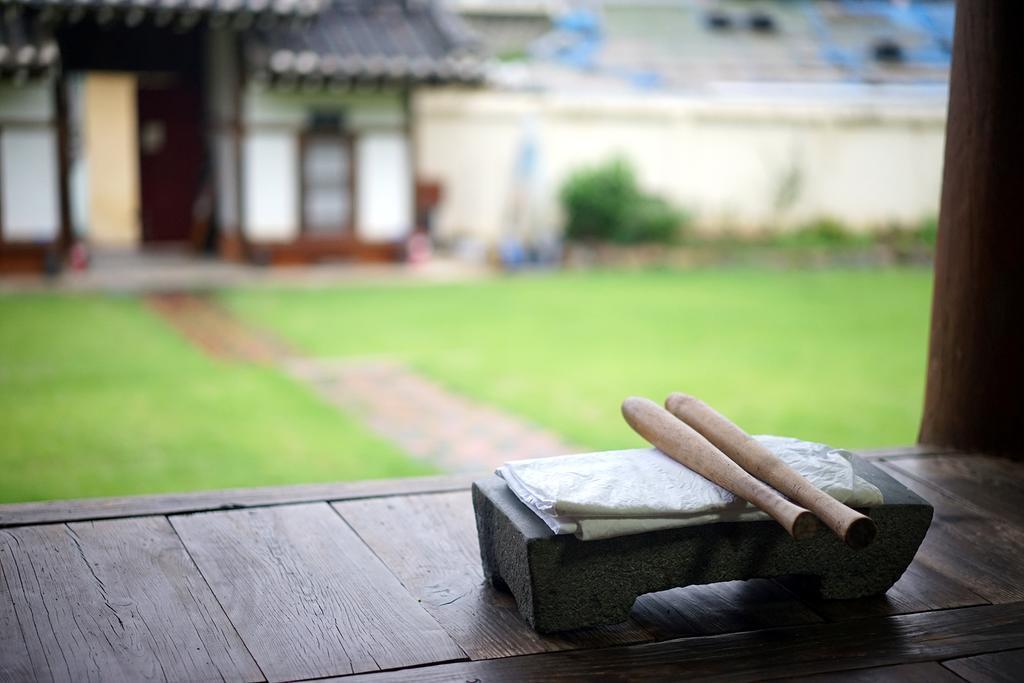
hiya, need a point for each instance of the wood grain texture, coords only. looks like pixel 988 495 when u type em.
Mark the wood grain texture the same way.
pixel 721 608
pixel 922 588
pixel 111 601
pixel 991 483
pixel 975 364
pixel 968 544
pixel 430 543
pixel 755 655
pixel 926 672
pixel 997 667
pixel 45 512
pixel 307 596
pixel 898 452
pixel 123 600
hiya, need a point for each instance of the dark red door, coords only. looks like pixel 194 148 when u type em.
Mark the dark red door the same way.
pixel 170 156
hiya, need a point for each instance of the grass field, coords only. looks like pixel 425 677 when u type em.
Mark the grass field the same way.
pixel 837 356
pixel 99 397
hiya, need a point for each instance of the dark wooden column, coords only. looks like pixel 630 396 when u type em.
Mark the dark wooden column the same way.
pixel 975 391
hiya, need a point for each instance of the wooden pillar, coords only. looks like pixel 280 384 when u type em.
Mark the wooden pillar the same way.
pixel 975 390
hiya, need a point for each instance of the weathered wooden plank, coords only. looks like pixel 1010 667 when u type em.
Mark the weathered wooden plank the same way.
pixel 997 667
pixel 118 600
pixel 721 608
pixel 968 544
pixel 925 672
pixel 307 596
pixel 15 661
pixel 984 556
pixel 899 452
pixel 991 483
pixel 770 653
pixel 46 512
pixel 921 588
pixel 430 543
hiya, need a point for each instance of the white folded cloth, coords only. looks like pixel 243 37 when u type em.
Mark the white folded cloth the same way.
pixel 616 493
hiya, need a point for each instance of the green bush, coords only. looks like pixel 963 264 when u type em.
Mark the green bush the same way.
pixel 927 231
pixel 826 232
pixel 605 204
pixel 652 219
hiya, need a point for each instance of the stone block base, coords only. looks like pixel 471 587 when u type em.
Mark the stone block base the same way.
pixel 562 583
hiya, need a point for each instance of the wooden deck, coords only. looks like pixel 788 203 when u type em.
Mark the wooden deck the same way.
pixel 382 581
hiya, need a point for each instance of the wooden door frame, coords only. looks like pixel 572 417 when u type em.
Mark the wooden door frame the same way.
pixel 348 140
pixel 184 79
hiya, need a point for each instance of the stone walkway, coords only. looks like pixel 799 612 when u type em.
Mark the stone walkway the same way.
pixel 425 419
pixel 418 415
pixel 215 331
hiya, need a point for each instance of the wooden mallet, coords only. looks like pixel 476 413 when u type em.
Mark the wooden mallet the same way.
pixel 680 442
pixel 856 530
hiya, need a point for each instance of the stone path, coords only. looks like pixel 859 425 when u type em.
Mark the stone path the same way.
pixel 420 416
pixel 425 419
pixel 216 331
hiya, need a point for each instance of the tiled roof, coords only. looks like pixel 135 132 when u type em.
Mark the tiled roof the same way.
pixel 50 10
pixel 369 40
pixel 338 41
pixel 26 48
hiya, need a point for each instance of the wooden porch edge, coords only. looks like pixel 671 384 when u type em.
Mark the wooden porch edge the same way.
pixel 771 653
pixel 85 509
pixel 914 451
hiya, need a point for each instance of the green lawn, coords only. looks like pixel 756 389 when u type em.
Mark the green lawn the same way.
pixel 836 356
pixel 99 397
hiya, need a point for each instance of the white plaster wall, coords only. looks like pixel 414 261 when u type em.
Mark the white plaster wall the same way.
pixel 728 162
pixel 292 107
pixel 383 186
pixel 32 101
pixel 270 182
pixel 29 190
pixel 30 184
pixel 275 119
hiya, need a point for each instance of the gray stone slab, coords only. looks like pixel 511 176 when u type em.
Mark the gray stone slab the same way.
pixel 562 583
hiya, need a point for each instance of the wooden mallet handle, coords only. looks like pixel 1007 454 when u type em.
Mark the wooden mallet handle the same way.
pixel 677 440
pixel 856 530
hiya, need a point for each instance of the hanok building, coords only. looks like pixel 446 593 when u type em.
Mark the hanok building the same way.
pixel 272 130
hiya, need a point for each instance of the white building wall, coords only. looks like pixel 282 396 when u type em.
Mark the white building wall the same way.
pixel 383 186
pixel 30 185
pixel 383 182
pixel 31 101
pixel 734 165
pixel 276 107
pixel 270 173
pixel 29 168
